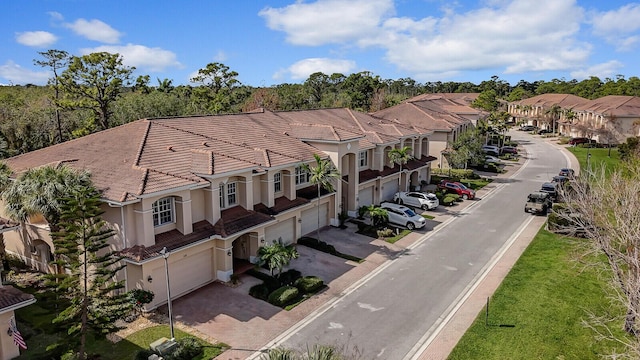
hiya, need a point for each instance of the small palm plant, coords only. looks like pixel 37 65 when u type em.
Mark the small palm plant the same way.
pixel 276 255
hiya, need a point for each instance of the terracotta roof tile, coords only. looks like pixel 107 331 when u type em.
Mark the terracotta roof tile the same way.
pixel 232 221
pixel 280 204
pixel 10 297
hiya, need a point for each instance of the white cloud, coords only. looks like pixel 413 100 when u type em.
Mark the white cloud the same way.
pixel 619 27
pixel 327 21
pixel 36 38
pixel 220 56
pixel 303 68
pixel 605 70
pixel 512 36
pixel 18 75
pixel 142 57
pixel 519 37
pixel 95 30
pixel 55 16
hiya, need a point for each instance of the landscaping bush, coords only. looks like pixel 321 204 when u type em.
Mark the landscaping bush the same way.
pixel 187 349
pixel 260 291
pixel 309 284
pixel 289 277
pixel 319 245
pixel 144 354
pixel 451 174
pixel 284 296
pixel 386 232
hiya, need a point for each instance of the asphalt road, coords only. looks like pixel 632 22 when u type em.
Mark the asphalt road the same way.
pixel 391 314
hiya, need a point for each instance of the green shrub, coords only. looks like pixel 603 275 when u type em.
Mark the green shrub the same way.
pixel 319 245
pixel 143 354
pixel 386 232
pixel 284 296
pixel 260 291
pixel 187 349
pixel 449 199
pixel 309 284
pixel 289 277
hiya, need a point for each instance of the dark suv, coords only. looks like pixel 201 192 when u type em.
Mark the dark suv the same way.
pixel 580 140
pixel 551 188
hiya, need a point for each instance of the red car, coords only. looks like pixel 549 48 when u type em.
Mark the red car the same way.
pixel 458 188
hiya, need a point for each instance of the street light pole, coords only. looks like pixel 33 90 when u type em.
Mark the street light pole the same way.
pixel 165 255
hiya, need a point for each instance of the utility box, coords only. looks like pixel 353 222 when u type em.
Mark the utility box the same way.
pixel 163 346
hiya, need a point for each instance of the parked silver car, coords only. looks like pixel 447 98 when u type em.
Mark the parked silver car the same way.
pixel 424 201
pixel 403 216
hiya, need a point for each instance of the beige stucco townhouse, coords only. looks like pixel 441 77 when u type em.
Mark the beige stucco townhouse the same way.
pixel 445 115
pixel 213 189
pixel 534 110
pixel 608 120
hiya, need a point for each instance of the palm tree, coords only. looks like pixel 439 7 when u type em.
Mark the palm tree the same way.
pixel 554 112
pixel 400 156
pixel 322 175
pixel 378 215
pixel 276 255
pixel 38 191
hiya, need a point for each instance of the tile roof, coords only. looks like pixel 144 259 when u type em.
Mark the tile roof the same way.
pixel 152 155
pixel 566 101
pixel 616 105
pixel 12 297
pixel 232 221
pixel 280 204
pixel 368 174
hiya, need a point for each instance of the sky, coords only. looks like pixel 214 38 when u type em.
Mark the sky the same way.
pixel 270 42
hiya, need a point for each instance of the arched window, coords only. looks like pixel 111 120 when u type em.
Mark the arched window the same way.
pixel 163 211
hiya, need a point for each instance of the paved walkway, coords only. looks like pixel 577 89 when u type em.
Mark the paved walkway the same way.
pixel 248 325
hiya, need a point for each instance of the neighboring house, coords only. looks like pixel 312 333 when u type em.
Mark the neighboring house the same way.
pixel 534 110
pixel 433 112
pixel 609 119
pixel 213 189
pixel 11 299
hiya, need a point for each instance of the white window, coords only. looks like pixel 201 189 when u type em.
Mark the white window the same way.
pixel 364 158
pixel 228 195
pixel 231 194
pixel 302 175
pixel 163 211
pixel 277 182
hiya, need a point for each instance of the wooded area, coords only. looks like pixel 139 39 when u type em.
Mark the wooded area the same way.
pixel 96 91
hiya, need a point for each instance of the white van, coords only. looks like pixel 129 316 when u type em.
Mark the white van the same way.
pixel 402 215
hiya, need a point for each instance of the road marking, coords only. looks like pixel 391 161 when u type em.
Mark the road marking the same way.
pixel 449 313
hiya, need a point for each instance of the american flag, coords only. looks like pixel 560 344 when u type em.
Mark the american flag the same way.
pixel 17 337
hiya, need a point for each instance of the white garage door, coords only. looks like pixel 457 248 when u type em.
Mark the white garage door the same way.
pixel 310 218
pixel 365 196
pixel 389 189
pixel 284 230
pixel 185 275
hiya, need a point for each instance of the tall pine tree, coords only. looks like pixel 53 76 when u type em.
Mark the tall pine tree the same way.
pixel 88 284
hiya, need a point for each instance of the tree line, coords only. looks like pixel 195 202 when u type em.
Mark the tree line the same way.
pixel 97 91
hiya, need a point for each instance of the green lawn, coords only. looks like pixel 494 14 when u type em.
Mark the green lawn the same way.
pixel 545 297
pixel 599 157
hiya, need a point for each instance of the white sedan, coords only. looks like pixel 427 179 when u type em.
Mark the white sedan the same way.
pixel 492 160
pixel 424 201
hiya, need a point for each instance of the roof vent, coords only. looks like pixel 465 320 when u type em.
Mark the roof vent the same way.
pixel 204 143
pixel 170 148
